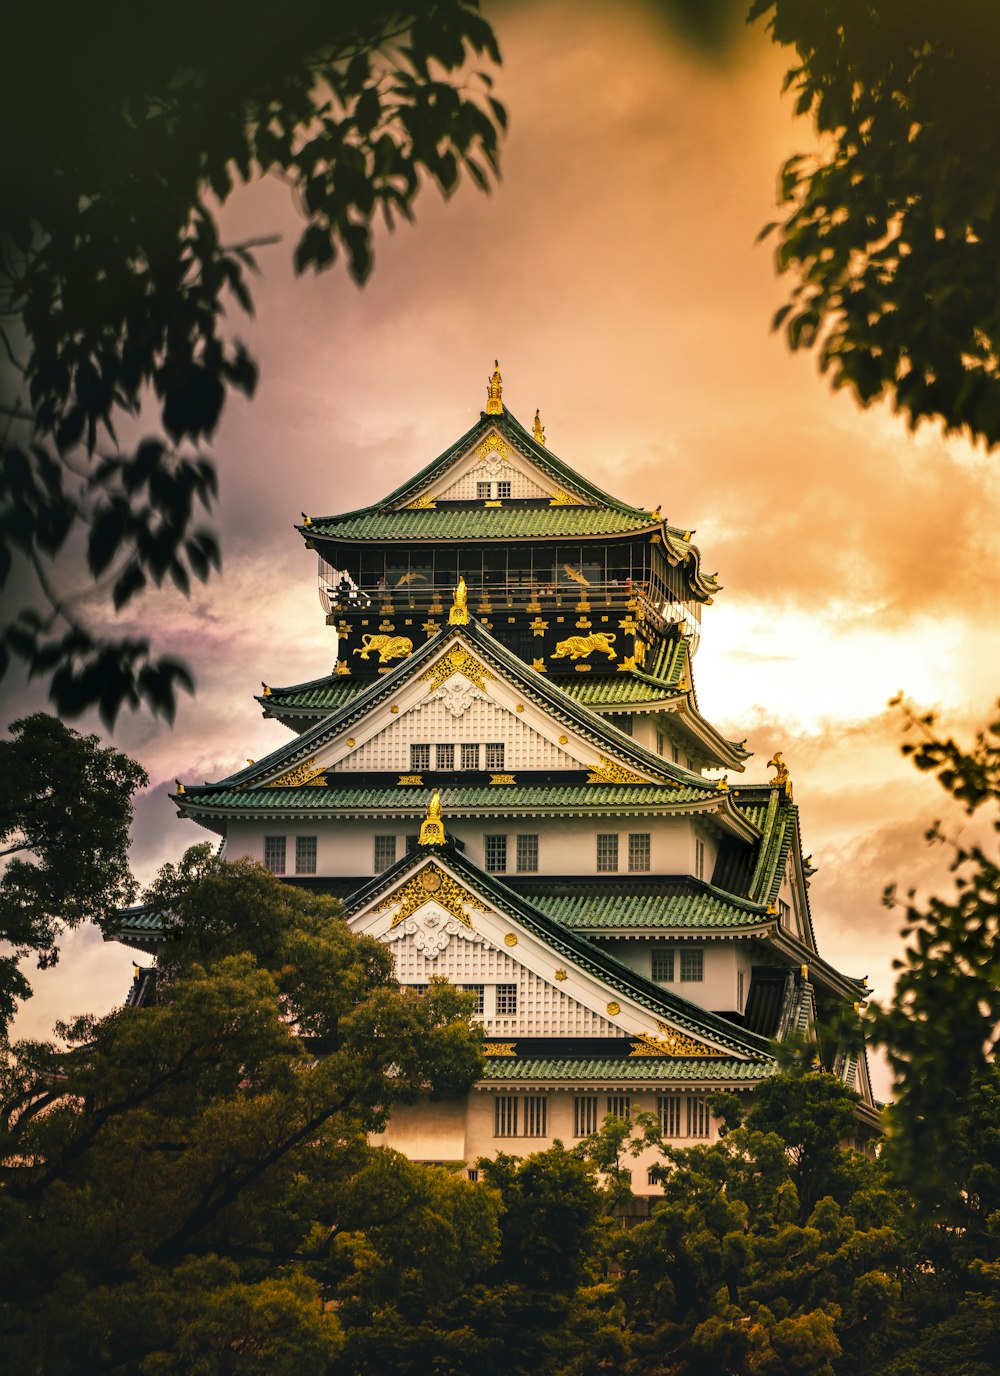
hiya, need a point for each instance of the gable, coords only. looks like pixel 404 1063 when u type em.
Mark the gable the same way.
pixel 459 700
pixel 438 922
pixel 490 459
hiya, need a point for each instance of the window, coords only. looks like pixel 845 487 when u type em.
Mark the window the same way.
pixel 494 755
pixel 483 491
pixel 472 1173
pixel 607 854
pixel 654 1176
pixel 669 1109
pixel 417 988
pixel 412 842
pixel 784 913
pixel 305 855
pixel 659 742
pixel 505 1116
pixel 699 858
pixel 739 991
pixel 692 966
pixel 506 1000
pixel 638 851
pixel 274 854
pixel 697 1117
pixel 534 1115
pixel 584 1115
pixel 470 756
pixel 444 756
pixel 527 854
pixel 385 852
pixel 675 753
pixel 620 1106
pixel 496 853
pixel 503 489
pixel 663 966
pixel 479 990
pixel 420 757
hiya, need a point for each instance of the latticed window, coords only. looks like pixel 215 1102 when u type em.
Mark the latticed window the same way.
pixel 274 854
pixel 470 756
pixel 620 1106
pixel 584 1115
pixel 444 756
pixel 494 755
pixel 784 913
pixel 535 1115
pixel 607 853
pixel 505 1116
pixel 496 853
pixel 420 757
pixel 472 1173
pixel 669 1110
pixel 663 965
pixel 305 855
pixel 697 1117
pixel 385 852
pixel 483 491
pixel 638 851
pixel 527 854
pixel 479 990
pixel 692 966
pixel 659 742
pixel 506 1000
pixel 503 489
pixel 699 858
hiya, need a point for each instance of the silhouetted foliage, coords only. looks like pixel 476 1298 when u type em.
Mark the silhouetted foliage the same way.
pixel 115 285
pixel 65 812
pixel 893 222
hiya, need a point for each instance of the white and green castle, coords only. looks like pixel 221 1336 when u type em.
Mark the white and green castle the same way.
pixel 506 780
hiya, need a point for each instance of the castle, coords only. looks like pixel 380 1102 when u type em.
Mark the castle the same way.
pixel 507 778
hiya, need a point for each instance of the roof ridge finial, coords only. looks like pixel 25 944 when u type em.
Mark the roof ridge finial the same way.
pixel 539 429
pixel 494 391
pixel 459 614
pixel 432 827
pixel 781 779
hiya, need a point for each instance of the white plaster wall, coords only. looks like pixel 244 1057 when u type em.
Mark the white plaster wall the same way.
pixel 722 960
pixel 428 1131
pixel 564 846
pixel 480 1122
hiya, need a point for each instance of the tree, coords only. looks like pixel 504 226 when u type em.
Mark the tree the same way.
pixel 738 1273
pixel 893 222
pixel 190 1186
pixel 65 811
pixel 116 284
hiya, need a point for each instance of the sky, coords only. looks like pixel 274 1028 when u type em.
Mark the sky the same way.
pixel 614 273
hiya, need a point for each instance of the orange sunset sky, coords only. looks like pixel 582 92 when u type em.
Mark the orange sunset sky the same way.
pixel 614 274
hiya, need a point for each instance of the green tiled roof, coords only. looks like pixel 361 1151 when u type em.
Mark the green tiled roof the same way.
pixel 481 523
pixel 455 801
pixel 624 690
pixel 585 912
pixel 660 1070
pixel 324 694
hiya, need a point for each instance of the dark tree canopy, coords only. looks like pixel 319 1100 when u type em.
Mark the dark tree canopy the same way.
pixel 893 224
pixel 65 812
pixel 115 287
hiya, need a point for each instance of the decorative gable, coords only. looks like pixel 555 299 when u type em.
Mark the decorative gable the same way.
pixel 490 462
pixel 441 924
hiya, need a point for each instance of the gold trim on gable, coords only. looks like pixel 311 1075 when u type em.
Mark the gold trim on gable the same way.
pixel 305 775
pixel 610 772
pixel 449 894
pixel 670 1042
pixel 456 661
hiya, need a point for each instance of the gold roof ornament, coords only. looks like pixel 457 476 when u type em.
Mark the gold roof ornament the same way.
pixel 459 614
pixel 657 513
pixel 538 430
pixel 494 391
pixel 306 520
pixel 781 779
pixel 267 691
pixel 432 827
pixel 180 786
